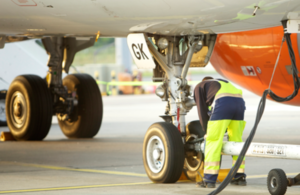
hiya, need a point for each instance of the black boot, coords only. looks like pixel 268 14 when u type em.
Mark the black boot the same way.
pixel 206 185
pixel 241 181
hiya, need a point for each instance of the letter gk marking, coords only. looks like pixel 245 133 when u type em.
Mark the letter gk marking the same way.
pixel 140 53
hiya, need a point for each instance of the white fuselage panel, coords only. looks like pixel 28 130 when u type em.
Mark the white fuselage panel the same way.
pixel 117 18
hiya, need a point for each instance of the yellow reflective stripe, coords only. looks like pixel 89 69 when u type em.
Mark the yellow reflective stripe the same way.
pixel 234 161
pixel 228 95
pixel 211 171
pixel 217 163
pixel 241 171
pixel 241 167
pixel 211 167
pixel 228 88
pixel 233 121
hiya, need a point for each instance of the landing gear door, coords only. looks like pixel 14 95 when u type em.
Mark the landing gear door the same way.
pixel 139 51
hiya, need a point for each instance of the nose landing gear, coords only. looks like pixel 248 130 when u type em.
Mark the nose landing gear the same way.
pixel 165 152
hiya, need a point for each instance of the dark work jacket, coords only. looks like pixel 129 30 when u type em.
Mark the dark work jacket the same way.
pixel 204 95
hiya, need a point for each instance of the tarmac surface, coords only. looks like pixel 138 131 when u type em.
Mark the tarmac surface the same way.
pixel 111 163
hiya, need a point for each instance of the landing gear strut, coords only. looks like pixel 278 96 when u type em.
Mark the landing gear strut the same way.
pixel 173 57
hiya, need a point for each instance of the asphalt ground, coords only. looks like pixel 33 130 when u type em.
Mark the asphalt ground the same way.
pixel 111 163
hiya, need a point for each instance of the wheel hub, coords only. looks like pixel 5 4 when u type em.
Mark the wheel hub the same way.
pixel 273 182
pixel 193 159
pixel 155 154
pixel 18 109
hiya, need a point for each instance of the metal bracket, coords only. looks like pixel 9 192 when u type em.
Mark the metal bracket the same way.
pixel 73 45
pixel 2 41
pixel 65 49
pixel 294 181
pixel 292 26
pixel 193 43
pixel 161 60
pixel 166 118
pixel 61 51
pixel 211 44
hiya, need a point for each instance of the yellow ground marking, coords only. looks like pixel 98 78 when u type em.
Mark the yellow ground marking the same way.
pixel 80 170
pixel 73 187
pixel 112 172
pixel 90 170
pixel 105 185
pixel 97 171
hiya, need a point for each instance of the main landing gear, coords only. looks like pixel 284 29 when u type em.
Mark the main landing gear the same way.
pixel 168 150
pixel 76 100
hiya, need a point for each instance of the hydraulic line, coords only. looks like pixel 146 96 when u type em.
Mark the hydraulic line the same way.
pixel 260 111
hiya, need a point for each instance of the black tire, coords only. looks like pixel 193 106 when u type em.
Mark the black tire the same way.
pixel 36 106
pixel 2 108
pixel 277 182
pixel 173 155
pixel 195 128
pixel 86 118
pixel 191 168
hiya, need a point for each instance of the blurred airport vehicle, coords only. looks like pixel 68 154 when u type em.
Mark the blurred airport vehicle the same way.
pixel 125 77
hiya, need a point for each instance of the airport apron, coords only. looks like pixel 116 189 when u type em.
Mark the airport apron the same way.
pixel 227 113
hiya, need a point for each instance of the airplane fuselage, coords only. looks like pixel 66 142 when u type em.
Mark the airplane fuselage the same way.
pixel 118 18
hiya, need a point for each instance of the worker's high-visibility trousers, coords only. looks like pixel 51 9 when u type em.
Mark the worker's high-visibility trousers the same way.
pixel 228 113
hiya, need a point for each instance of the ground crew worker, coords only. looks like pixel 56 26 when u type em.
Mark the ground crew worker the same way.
pixel 220 106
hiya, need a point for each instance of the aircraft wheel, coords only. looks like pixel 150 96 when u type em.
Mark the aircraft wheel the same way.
pixel 29 108
pixel 2 108
pixel 163 153
pixel 193 161
pixel 277 182
pixel 86 118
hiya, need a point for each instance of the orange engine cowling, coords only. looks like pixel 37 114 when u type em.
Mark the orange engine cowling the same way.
pixel 248 59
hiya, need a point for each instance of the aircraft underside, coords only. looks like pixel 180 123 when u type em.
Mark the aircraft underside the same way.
pixel 31 18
